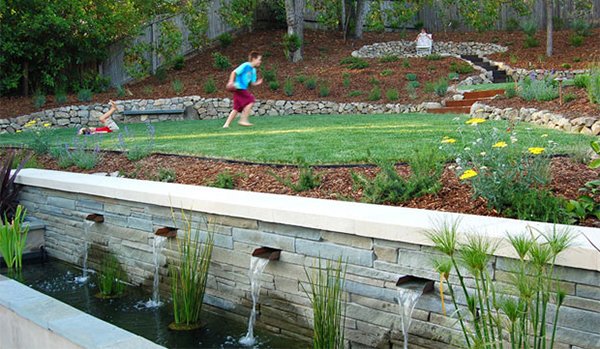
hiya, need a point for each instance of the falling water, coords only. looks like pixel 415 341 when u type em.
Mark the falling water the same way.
pixel 407 299
pixel 257 266
pixel 86 245
pixel 157 246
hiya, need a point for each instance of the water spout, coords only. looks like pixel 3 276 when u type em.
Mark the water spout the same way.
pixel 86 246
pixel 410 288
pixel 257 266
pixel 157 246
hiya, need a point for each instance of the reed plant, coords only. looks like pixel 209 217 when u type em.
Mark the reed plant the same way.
pixel 326 294
pixel 13 236
pixel 516 316
pixel 111 278
pixel 189 275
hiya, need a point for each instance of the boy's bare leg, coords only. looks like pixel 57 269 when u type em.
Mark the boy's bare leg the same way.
pixel 111 111
pixel 230 118
pixel 245 114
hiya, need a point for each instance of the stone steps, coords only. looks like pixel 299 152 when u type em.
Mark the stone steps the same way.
pixel 464 106
pixel 464 102
pixel 498 75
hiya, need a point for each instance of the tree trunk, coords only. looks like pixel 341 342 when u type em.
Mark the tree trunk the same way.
pixel 361 13
pixel 25 82
pixel 294 14
pixel 549 28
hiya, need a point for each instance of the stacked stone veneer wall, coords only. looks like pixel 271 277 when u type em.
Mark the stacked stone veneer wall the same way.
pixel 585 125
pixel 408 49
pixel 197 108
pixel 374 266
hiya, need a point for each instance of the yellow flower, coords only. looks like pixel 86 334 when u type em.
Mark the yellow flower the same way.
pixel 536 150
pixel 468 174
pixel 500 145
pixel 475 121
pixel 448 140
pixel 544 135
pixel 18 131
pixel 47 124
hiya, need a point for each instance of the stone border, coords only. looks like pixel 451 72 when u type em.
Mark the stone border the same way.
pixel 39 320
pixel 358 219
pixel 406 48
pixel 196 108
pixel 586 125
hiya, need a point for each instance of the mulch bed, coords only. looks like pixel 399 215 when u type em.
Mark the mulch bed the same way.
pixel 336 181
pixel 580 106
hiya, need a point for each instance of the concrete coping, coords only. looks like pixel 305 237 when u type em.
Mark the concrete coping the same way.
pixel 402 224
pixel 75 326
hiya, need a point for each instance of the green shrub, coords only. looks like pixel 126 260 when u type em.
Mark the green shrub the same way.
pixel 167 175
pixel 374 81
pixel 224 180
pixel 411 90
pixel 530 42
pixel 310 83
pixel 301 78
pixel 388 186
pixel 576 40
pixel 411 77
pixel 179 62
pixel 581 80
pixel 84 95
pixel 512 25
pixel 274 85
pixel 581 27
pixel 386 72
pixel 324 89
pixel 352 62
pixel 576 59
pixel 177 86
pixel 111 277
pixel 346 80
pixel 375 94
pixel 161 74
pixel 60 97
pixel 307 178
pixel 39 99
pixel 441 87
pixel 389 59
pixel 593 86
pixel 537 205
pixel 510 92
pixel 392 94
pixel 209 86
pixel 415 84
pixel 405 63
pixel 566 66
pixel 225 39
pixel 429 87
pixel 220 62
pixel 569 97
pixel 355 93
pixel 461 68
pixel 269 74
pixel 433 57
pixel 288 87
pixel 529 28
pixel 290 43
pixel 453 76
pixel 77 154
pixel 120 91
pixel 539 90
pixel 137 150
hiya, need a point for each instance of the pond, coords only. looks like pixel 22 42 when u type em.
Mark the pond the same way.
pixel 57 279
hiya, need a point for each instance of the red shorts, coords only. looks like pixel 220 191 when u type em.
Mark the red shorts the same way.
pixel 104 129
pixel 241 98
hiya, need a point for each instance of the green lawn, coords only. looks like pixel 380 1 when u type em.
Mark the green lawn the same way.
pixel 318 139
pixel 485 87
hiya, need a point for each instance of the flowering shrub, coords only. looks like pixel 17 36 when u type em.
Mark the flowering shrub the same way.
pixel 137 150
pixel 40 143
pixel 531 88
pixel 78 154
pixel 512 181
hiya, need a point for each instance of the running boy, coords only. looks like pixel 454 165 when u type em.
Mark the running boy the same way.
pixel 109 124
pixel 239 81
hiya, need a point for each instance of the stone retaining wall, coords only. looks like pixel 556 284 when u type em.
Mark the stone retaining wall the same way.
pixel 196 108
pixel 585 125
pixel 408 49
pixel 374 264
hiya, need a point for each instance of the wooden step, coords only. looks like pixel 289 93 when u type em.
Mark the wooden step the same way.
pixel 464 102
pixel 450 110
pixel 482 94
